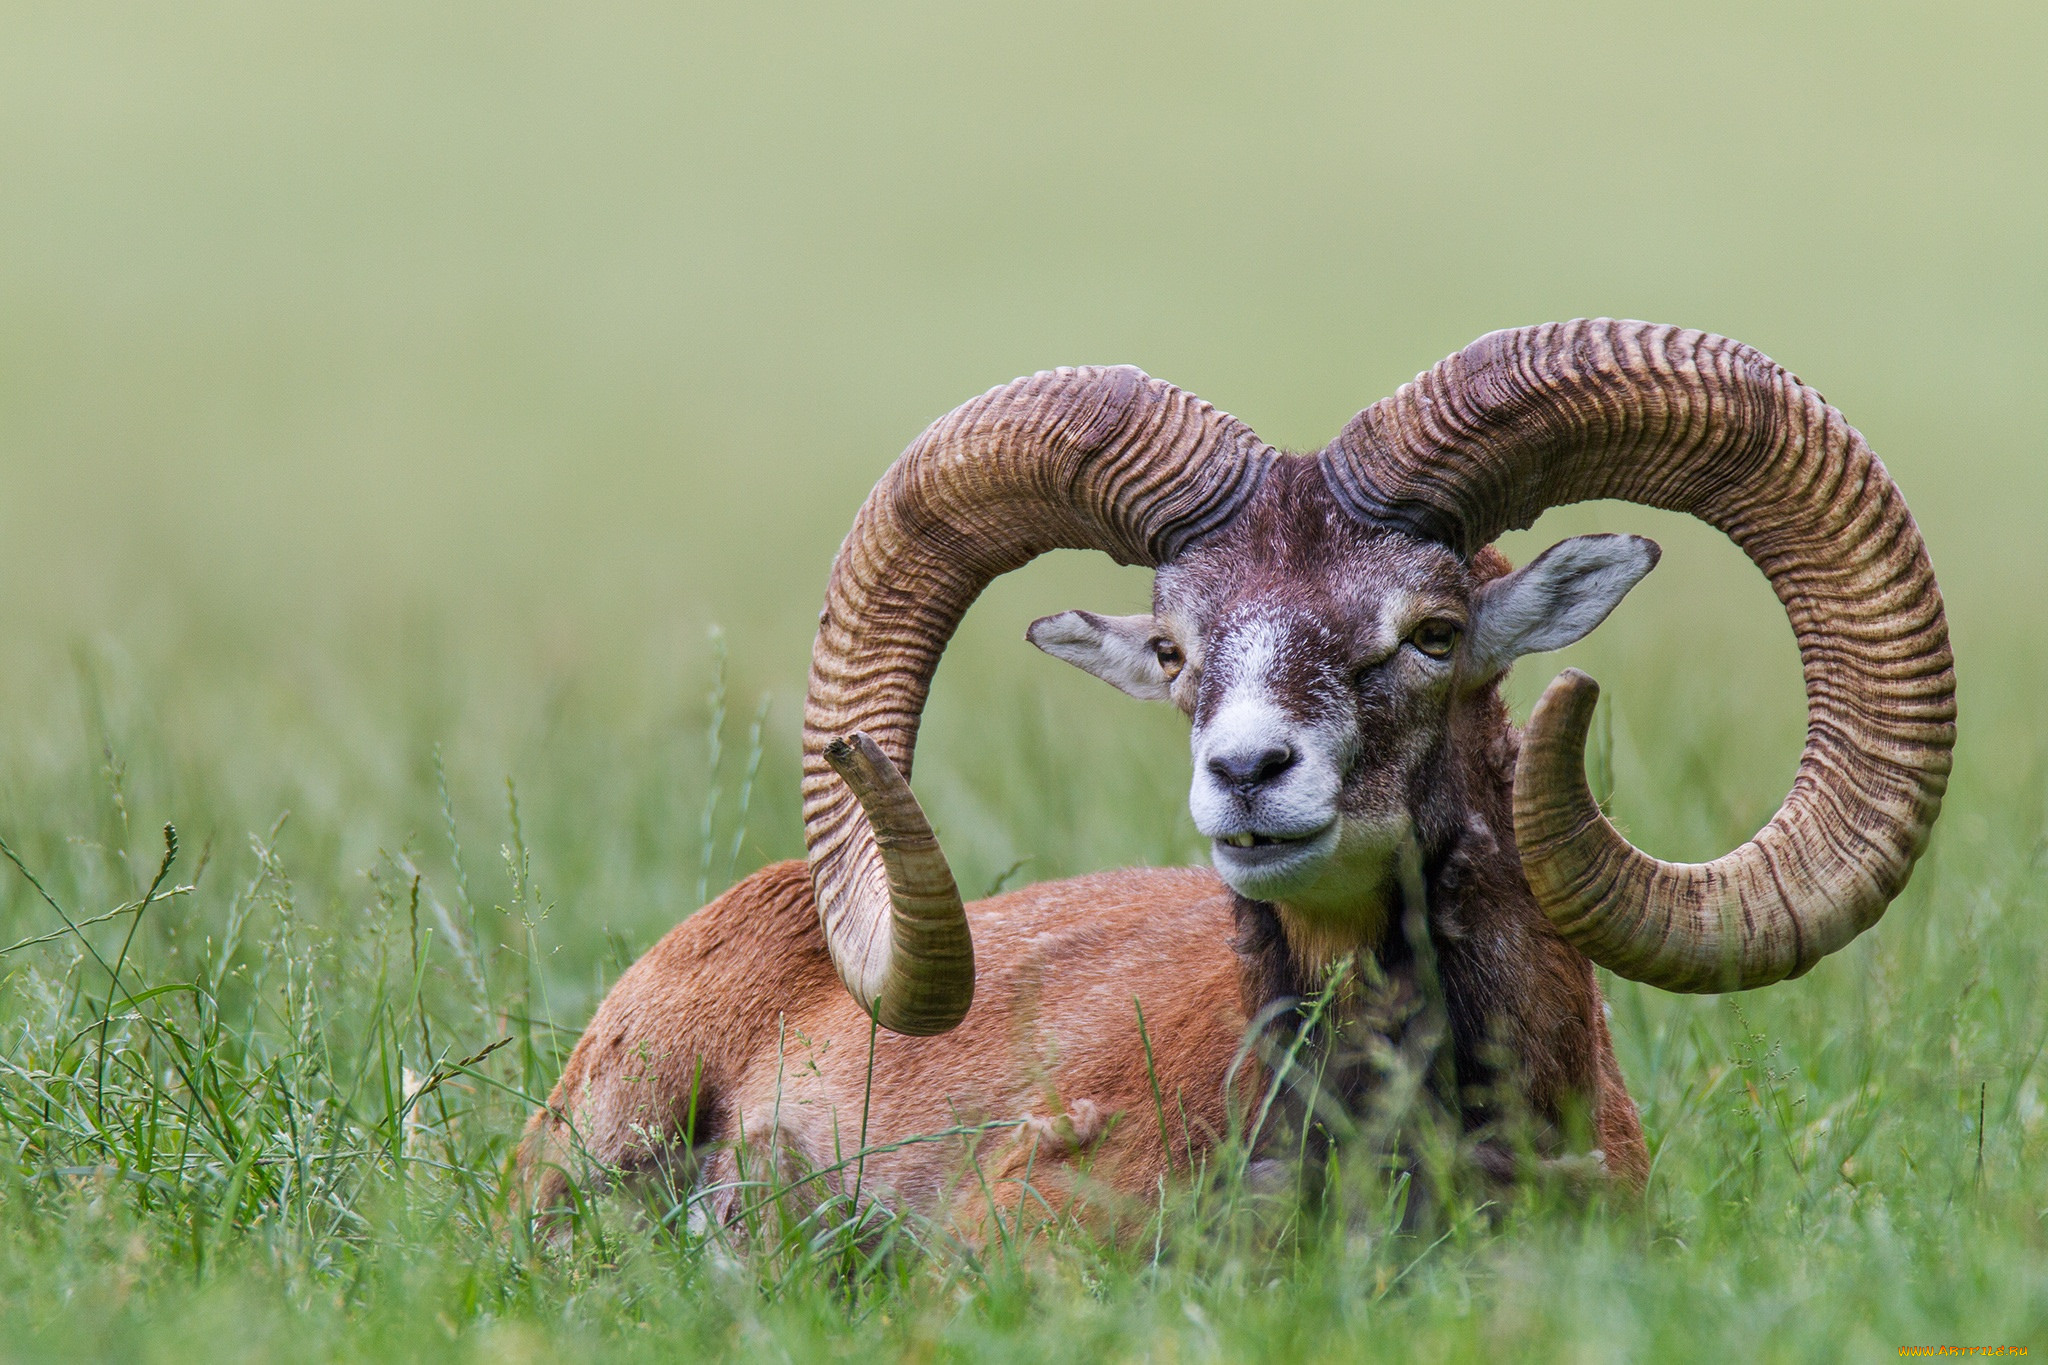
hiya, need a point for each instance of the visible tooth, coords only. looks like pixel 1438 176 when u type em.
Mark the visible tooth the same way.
pixel 1238 840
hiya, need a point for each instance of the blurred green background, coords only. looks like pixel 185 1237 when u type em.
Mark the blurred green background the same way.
pixel 377 377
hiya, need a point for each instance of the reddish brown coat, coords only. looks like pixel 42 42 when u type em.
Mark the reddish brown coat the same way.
pixel 740 1004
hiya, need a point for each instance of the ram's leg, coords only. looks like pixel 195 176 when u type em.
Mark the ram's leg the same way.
pixel 1077 1165
pixel 613 1118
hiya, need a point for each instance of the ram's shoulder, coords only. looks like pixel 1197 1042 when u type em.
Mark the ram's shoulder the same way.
pixel 772 913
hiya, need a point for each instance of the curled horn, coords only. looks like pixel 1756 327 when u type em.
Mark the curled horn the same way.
pixel 1532 418
pixel 1097 459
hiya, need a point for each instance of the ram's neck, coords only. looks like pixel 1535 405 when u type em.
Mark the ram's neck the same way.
pixel 1377 872
pixel 1318 943
pixel 1292 948
pixel 1346 1001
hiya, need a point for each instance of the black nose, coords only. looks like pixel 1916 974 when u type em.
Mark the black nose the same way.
pixel 1252 767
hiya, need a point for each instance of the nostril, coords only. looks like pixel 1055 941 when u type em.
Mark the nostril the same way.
pixel 1252 767
pixel 1273 762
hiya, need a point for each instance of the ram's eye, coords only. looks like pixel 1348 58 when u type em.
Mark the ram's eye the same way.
pixel 1169 656
pixel 1435 637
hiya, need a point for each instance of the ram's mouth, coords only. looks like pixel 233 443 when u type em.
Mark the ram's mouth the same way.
pixel 1249 848
pixel 1273 866
pixel 1249 840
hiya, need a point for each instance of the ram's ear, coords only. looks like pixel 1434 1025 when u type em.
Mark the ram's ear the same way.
pixel 1117 649
pixel 1553 600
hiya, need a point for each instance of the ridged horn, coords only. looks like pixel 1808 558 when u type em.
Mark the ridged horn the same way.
pixel 1532 418
pixel 1103 459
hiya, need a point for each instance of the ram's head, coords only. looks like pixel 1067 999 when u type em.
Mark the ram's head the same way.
pixel 1323 663
pixel 1322 619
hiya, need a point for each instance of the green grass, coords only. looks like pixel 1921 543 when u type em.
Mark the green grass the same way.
pixel 223 1159
pixel 392 400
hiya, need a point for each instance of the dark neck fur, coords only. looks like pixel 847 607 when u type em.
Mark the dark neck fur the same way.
pixel 1420 1004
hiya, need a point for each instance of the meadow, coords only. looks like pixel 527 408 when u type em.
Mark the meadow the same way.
pixel 424 434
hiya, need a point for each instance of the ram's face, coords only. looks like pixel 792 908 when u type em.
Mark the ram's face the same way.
pixel 1320 663
pixel 1319 679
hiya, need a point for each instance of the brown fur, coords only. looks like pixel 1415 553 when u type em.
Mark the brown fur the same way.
pixel 740 999
pixel 1053 1036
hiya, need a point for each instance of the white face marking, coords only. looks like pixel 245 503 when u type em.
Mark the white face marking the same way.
pixel 1394 608
pixel 1265 785
pixel 1247 721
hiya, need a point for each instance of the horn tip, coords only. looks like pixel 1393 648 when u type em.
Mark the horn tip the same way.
pixel 1572 685
pixel 1566 708
pixel 853 752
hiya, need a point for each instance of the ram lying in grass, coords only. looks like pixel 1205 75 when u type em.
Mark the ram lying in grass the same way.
pixel 1335 626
